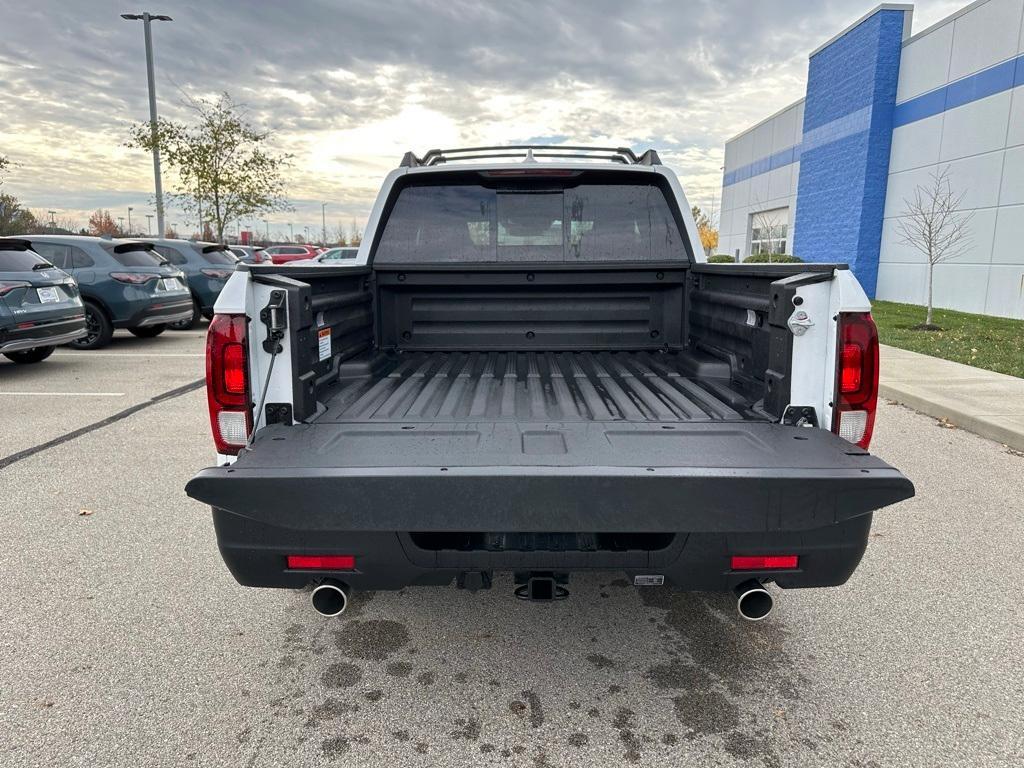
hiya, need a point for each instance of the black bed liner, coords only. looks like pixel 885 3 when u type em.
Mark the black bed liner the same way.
pixel 540 386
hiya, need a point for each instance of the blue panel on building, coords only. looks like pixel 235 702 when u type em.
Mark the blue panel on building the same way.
pixel 851 95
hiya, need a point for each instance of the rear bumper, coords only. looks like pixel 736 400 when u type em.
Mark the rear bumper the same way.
pixel 169 310
pixel 43 334
pixel 256 553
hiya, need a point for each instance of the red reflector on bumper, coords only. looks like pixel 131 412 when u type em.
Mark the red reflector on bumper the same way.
pixel 764 562
pixel 322 562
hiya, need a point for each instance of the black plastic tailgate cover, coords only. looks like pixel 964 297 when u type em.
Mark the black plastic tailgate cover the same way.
pixel 551 477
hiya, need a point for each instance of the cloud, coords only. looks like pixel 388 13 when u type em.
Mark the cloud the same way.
pixel 347 87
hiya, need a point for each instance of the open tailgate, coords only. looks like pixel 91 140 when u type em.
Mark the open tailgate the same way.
pixel 607 477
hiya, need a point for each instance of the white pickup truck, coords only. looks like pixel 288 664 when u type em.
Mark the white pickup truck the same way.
pixel 529 368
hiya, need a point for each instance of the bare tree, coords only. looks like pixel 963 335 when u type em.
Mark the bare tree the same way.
pixel 355 237
pixel 934 224
pixel 341 234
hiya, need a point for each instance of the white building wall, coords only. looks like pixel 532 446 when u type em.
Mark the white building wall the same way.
pixel 981 143
pixel 766 191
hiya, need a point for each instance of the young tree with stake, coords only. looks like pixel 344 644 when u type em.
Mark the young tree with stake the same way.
pixel 934 224
pixel 225 171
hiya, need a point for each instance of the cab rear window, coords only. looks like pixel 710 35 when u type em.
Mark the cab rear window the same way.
pixel 19 261
pixel 531 223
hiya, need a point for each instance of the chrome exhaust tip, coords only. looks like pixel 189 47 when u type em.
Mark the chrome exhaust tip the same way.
pixel 330 598
pixel 753 601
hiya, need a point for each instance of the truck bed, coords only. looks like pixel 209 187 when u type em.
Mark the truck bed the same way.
pixel 538 387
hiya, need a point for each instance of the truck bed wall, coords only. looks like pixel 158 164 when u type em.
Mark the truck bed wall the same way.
pixel 731 313
pixel 531 309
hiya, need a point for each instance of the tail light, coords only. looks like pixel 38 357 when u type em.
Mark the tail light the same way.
pixel 217 274
pixel 134 278
pixel 6 286
pixel 853 417
pixel 227 383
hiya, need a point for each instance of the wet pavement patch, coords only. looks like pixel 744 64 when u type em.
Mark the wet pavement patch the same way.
pixel 706 712
pixel 399 668
pixel 600 661
pixel 373 640
pixel 536 710
pixel 338 745
pixel 579 740
pixel 624 724
pixel 676 674
pixel 331 709
pixel 468 729
pixel 342 675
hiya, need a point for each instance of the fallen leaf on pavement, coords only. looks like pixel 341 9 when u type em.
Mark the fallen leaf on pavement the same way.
pixel 84 512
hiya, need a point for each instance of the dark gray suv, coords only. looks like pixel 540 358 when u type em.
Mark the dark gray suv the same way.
pixel 39 304
pixel 124 284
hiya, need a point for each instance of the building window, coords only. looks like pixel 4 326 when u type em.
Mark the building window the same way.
pixel 769 231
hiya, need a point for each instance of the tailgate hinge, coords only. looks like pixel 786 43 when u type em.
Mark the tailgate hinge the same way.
pixel 275 318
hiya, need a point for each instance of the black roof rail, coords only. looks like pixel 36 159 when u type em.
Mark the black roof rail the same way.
pixel 623 155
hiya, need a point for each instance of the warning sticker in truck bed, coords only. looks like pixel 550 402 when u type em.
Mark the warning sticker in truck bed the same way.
pixel 323 338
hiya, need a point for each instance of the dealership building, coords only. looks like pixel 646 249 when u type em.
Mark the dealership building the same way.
pixel 887 109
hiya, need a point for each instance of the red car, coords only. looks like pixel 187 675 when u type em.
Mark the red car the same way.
pixel 282 254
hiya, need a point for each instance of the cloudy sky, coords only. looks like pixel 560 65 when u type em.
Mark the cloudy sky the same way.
pixel 347 86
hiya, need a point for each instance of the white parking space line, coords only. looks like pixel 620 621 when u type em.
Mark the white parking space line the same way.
pixel 62 394
pixel 126 354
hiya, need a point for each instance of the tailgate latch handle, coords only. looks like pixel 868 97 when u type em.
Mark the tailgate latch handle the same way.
pixel 799 322
pixel 275 318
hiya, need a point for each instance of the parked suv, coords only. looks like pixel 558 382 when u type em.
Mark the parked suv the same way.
pixel 207 266
pixel 123 283
pixel 250 254
pixel 39 305
pixel 282 254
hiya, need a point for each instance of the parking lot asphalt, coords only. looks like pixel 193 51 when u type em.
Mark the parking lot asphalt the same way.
pixel 124 640
pixel 73 389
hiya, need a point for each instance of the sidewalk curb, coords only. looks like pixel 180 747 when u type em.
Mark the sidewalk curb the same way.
pixel 985 426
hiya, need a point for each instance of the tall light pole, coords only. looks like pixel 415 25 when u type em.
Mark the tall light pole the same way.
pixel 291 232
pixel 149 221
pixel 267 222
pixel 323 223
pixel 120 224
pixel 307 233
pixel 53 222
pixel 146 18
pixel 130 209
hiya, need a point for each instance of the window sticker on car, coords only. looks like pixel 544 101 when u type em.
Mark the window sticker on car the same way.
pixel 324 343
pixel 48 295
